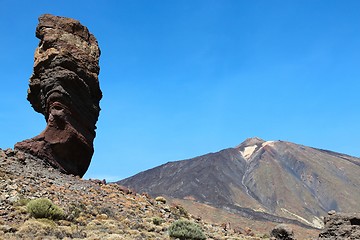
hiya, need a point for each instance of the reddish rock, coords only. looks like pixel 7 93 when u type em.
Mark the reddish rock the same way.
pixel 126 190
pixel 64 87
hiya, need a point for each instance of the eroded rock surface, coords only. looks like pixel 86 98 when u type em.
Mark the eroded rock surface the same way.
pixel 341 226
pixel 64 87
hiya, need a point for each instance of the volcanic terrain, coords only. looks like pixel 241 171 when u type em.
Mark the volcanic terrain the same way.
pixel 273 181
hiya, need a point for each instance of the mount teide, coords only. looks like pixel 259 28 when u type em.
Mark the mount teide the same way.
pixel 265 180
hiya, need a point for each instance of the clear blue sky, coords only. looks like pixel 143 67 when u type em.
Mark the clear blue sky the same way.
pixel 182 78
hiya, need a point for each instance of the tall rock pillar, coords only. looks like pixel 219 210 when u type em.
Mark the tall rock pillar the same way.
pixel 64 87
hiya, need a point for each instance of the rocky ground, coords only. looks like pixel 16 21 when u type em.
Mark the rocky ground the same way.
pixel 341 226
pixel 93 209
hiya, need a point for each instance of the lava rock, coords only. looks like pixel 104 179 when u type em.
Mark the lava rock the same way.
pixel 64 87
pixel 341 226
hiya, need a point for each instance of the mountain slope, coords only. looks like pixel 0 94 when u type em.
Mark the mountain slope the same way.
pixel 274 181
pixel 92 209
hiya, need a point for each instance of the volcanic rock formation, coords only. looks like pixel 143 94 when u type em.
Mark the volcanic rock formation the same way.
pixel 341 226
pixel 64 87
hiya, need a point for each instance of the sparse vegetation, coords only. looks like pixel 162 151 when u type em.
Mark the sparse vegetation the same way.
pixel 22 201
pixel 265 236
pixel 184 229
pixel 107 211
pixel 44 208
pixel 37 228
pixel 157 220
pixel 74 210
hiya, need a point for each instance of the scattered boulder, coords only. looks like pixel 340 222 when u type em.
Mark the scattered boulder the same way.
pixel 64 87
pixel 341 226
pixel 282 232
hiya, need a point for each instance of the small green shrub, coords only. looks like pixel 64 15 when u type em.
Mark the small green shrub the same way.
pixel 44 208
pixel 184 229
pixel 21 202
pixel 157 220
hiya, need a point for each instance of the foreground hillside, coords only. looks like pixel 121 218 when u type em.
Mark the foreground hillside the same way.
pixel 92 209
pixel 268 181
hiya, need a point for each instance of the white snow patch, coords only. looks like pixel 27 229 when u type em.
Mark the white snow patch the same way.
pixel 271 143
pixel 248 151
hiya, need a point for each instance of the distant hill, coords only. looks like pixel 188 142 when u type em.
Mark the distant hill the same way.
pixel 273 181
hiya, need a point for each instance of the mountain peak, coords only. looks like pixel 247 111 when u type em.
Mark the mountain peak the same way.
pixel 252 141
pixel 250 146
